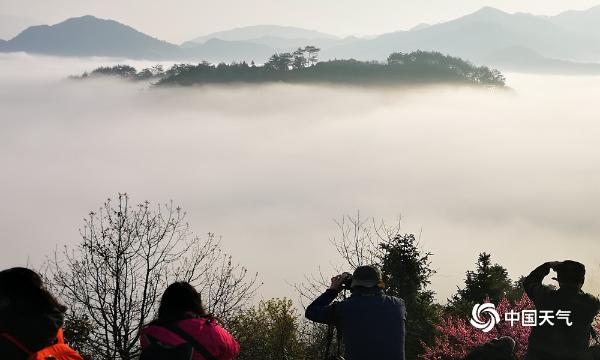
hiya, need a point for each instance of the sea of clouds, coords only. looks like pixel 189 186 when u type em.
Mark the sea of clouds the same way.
pixel 268 168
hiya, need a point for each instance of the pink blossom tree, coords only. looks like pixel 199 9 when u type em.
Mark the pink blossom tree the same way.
pixel 456 336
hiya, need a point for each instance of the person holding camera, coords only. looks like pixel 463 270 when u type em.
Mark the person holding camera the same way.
pixel 568 312
pixel 371 324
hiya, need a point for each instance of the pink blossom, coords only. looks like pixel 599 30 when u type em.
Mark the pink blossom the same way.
pixel 456 336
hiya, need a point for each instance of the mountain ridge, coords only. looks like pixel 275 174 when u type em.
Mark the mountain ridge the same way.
pixel 90 36
pixel 570 37
pixel 258 31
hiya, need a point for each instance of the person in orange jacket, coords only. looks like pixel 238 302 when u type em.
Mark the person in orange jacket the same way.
pixel 30 318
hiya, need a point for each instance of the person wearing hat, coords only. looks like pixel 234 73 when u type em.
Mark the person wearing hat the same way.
pixel 370 323
pixel 568 312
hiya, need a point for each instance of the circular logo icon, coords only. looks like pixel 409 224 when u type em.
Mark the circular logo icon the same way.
pixel 484 317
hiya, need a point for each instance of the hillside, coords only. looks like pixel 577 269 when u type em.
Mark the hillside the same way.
pixel 264 31
pixel 90 36
pixel 277 38
pixel 586 23
pixel 216 50
pixel 525 60
pixel 478 35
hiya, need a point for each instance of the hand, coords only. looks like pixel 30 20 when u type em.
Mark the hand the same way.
pixel 337 281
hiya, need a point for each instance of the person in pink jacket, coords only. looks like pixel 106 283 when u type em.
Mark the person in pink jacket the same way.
pixel 183 329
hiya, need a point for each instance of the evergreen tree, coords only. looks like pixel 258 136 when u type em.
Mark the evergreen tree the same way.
pixel 313 52
pixel 407 272
pixel 299 61
pixel 487 282
pixel 280 62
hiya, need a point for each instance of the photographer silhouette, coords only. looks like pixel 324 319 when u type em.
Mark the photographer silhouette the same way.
pixel 567 338
pixel 371 324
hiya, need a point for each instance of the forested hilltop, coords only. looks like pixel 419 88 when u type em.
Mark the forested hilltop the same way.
pixel 301 66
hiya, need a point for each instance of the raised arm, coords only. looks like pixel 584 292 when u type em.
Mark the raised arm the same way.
pixel 320 310
pixel 533 282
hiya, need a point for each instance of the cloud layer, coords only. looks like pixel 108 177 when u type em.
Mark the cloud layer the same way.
pixel 268 168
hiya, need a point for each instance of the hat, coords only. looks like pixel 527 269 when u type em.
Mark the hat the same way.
pixel 505 343
pixel 366 276
pixel 570 272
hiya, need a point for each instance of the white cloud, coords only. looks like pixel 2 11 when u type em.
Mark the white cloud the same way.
pixel 269 167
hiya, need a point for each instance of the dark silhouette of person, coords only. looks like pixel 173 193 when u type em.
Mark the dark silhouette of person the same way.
pixel 182 319
pixel 29 314
pixel 565 315
pixel 502 348
pixel 371 324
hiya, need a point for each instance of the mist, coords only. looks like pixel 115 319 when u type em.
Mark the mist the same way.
pixel 270 167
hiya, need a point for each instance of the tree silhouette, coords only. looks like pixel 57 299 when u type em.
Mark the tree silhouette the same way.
pixel 487 281
pixel 280 62
pixel 126 258
pixel 271 330
pixel 301 66
pixel 299 60
pixel 313 52
pixel 407 271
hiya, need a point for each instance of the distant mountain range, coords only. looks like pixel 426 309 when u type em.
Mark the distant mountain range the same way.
pixel 274 36
pixel 580 22
pixel 480 35
pixel 89 36
pixel 568 42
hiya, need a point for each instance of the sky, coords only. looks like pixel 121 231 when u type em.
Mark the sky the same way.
pixel 181 20
pixel 269 170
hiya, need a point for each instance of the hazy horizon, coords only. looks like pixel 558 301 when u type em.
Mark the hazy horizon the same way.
pixel 471 170
pixel 172 24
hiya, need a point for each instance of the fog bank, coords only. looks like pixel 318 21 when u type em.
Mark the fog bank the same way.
pixel 269 167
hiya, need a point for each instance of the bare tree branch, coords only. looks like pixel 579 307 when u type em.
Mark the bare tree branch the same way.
pixel 127 257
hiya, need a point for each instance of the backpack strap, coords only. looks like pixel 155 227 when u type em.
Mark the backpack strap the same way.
pixel 331 328
pixel 190 340
pixel 13 340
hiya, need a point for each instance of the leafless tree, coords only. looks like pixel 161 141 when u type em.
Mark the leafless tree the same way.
pixel 126 258
pixel 358 243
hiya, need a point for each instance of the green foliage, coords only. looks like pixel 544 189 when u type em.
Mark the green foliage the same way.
pixel 301 66
pixel 272 330
pixel 419 61
pixel 126 72
pixel 279 62
pixel 300 60
pixel 407 272
pixel 488 281
pixel 292 68
pixel 77 329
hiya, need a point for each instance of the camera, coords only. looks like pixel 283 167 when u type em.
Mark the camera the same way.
pixel 347 281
